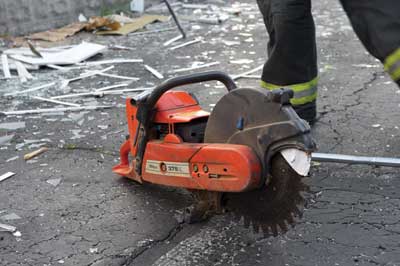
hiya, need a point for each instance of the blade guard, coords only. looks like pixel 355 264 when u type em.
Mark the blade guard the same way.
pixel 260 119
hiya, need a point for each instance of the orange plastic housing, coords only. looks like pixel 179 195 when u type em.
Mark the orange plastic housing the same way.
pixel 171 162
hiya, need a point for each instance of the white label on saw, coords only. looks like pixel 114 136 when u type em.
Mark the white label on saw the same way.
pixel 169 168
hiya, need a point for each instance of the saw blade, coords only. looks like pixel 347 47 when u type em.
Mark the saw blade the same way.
pixel 274 207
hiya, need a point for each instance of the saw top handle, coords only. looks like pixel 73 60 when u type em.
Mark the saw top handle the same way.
pixel 169 84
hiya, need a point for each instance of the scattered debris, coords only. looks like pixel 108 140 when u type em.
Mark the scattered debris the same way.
pixel 66 82
pixel 54 182
pixel 93 250
pixel 112 87
pixel 55 110
pixel 154 72
pixel 376 125
pixel 58 34
pixel 5 66
pixel 32 89
pixel 23 74
pixel 11 159
pixel 55 101
pixel 6 175
pixel 241 61
pixel 12 125
pixel 235 77
pixel 10 217
pixel 173 40
pixel 137 24
pixel 100 93
pixel 195 67
pixel 197 40
pixel 112 61
pixel 70 56
pixel 102 23
pixel 33 154
pixel 6 139
pixel 17 234
pixel 7 228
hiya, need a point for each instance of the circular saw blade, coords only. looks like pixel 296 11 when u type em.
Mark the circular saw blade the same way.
pixel 275 206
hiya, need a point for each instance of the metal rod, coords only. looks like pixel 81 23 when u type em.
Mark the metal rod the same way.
pixel 351 159
pixel 175 19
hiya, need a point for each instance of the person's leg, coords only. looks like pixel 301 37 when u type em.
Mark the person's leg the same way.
pixel 377 24
pixel 292 61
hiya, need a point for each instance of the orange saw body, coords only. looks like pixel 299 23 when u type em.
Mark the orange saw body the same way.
pixel 236 150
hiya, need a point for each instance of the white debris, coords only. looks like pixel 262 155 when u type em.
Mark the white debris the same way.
pixel 32 89
pixel 55 101
pixel 241 61
pixel 12 159
pixel 54 182
pixel 376 125
pixel 197 40
pixel 93 250
pixel 7 228
pixel 6 175
pixel 195 67
pixel 55 110
pixel 17 234
pixel 173 40
pixel 9 217
pixel 5 66
pixel 154 72
pixel 74 55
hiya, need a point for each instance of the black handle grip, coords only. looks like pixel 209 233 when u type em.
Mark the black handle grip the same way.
pixel 189 79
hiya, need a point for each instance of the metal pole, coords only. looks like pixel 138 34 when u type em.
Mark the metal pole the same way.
pixel 175 19
pixel 351 159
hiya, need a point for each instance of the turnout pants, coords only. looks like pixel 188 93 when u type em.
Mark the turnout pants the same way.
pixel 292 49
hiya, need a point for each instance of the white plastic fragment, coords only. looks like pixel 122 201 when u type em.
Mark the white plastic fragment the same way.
pixel 55 101
pixel 54 182
pixel 185 44
pixel 12 159
pixel 112 87
pixel 7 228
pixel 235 77
pixel 17 234
pixel 23 74
pixel 5 66
pixel 100 93
pixel 9 217
pixel 118 76
pixel 32 89
pixel 55 110
pixel 154 72
pixel 194 67
pixel 112 61
pixel 173 40
pixel 73 55
pixel 6 175
pixel 299 160
pixel 65 82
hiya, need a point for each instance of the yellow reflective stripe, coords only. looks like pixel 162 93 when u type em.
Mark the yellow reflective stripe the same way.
pixel 395 74
pixel 304 100
pixel 392 59
pixel 295 87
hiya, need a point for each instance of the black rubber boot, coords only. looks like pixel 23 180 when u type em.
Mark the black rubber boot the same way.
pixel 307 111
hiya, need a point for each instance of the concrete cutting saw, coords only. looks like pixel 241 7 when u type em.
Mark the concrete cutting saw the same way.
pixel 247 156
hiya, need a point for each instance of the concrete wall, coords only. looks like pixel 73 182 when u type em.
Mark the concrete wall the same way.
pixel 19 17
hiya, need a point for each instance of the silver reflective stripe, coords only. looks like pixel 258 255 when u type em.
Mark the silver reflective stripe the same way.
pixel 308 92
pixel 394 67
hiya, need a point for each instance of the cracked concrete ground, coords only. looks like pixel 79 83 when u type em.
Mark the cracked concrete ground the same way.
pixel 94 217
